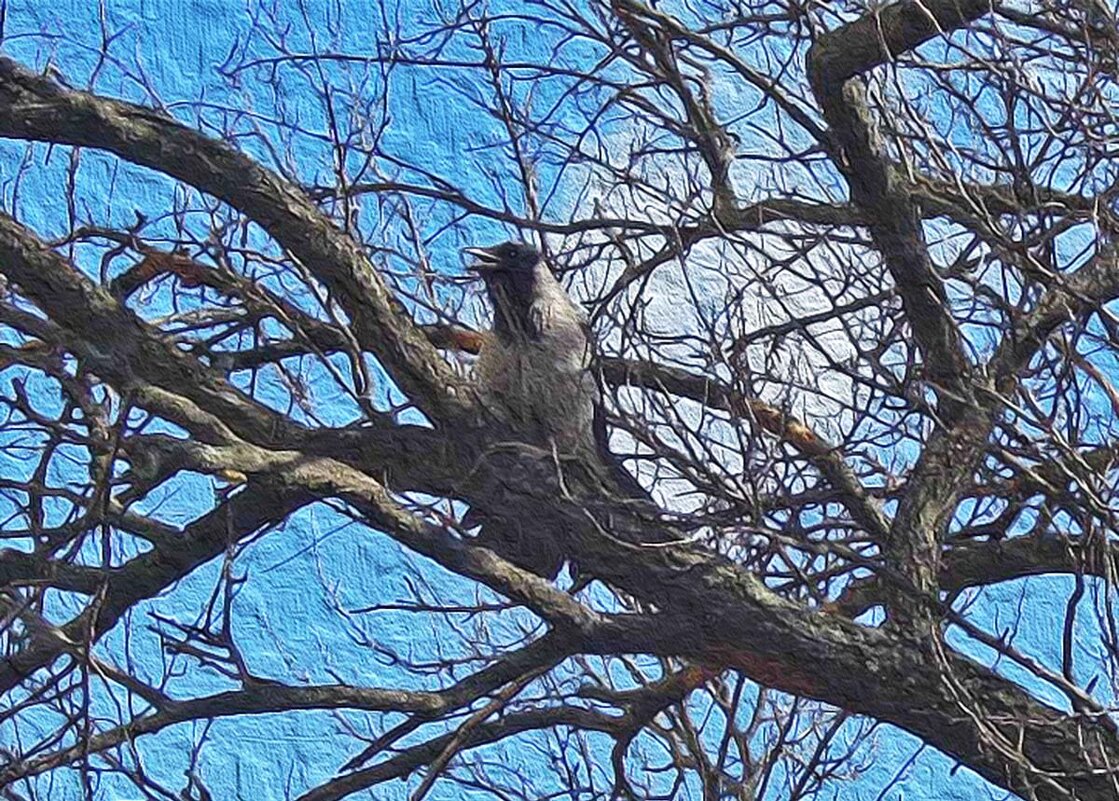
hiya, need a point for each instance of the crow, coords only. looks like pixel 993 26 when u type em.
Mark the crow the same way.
pixel 536 368
pixel 536 364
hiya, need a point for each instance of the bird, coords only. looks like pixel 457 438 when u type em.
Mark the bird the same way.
pixel 536 365
pixel 535 369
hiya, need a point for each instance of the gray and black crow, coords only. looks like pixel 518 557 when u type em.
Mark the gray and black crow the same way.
pixel 537 367
pixel 536 364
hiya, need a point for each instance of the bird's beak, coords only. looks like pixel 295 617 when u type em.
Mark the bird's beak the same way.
pixel 484 259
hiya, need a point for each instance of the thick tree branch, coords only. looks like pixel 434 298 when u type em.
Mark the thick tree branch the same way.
pixel 121 348
pixel 884 34
pixel 834 64
pixel 34 107
pixel 977 564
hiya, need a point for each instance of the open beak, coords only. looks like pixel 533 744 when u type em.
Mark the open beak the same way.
pixel 484 259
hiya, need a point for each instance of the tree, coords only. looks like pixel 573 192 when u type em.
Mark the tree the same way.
pixel 852 274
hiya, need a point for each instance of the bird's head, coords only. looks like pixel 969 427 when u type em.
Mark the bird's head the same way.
pixel 512 279
pixel 508 257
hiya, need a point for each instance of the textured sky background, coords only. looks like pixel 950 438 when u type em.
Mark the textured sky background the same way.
pixel 319 561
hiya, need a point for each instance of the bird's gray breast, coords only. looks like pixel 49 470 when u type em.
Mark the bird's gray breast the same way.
pixel 543 380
